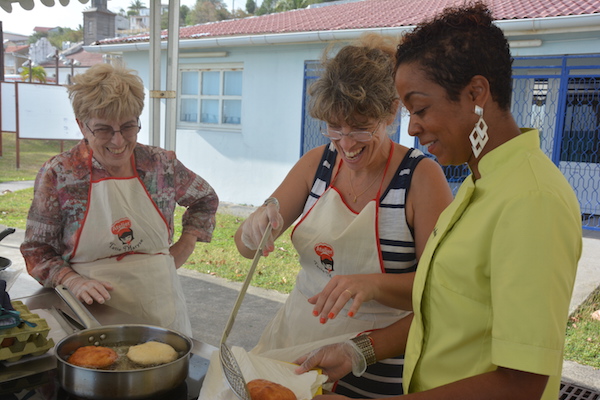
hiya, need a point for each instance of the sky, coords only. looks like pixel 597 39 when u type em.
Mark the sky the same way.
pixel 22 21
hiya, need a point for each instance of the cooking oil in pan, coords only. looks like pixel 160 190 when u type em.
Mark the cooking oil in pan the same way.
pixel 123 363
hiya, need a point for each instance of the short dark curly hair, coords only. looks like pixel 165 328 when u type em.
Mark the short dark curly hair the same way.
pixel 458 44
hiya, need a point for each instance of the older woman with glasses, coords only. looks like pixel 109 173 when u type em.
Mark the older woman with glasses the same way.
pixel 366 207
pixel 101 221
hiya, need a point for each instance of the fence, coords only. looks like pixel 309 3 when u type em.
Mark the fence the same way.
pixel 560 97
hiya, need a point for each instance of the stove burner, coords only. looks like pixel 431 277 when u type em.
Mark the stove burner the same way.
pixel 180 392
pixel 45 385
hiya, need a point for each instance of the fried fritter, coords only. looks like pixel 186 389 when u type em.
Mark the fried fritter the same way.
pixel 93 357
pixel 262 389
pixel 152 353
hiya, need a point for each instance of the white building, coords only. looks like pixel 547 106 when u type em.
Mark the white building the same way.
pixel 242 121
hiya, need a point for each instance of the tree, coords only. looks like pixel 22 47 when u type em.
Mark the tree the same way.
pixel 287 5
pixel 37 36
pixel 38 74
pixel 65 35
pixel 239 14
pixel 267 7
pixel 135 7
pixel 250 6
pixel 207 11
pixel 183 12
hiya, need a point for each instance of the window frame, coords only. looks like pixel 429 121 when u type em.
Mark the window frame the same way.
pixel 213 67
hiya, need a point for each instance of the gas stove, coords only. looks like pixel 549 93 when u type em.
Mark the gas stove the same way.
pixel 45 385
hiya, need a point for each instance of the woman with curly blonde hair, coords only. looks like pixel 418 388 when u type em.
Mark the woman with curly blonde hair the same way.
pixel 366 207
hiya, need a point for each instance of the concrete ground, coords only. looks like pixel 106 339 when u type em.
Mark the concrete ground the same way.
pixel 210 299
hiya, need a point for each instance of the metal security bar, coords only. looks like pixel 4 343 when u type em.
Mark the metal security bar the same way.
pixel 311 128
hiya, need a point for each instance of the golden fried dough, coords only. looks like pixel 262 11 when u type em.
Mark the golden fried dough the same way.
pixel 93 357
pixel 262 389
pixel 152 353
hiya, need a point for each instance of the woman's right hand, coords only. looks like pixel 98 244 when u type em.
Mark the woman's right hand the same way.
pixel 340 289
pixel 254 227
pixel 87 290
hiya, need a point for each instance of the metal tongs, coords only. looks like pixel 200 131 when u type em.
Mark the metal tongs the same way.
pixel 231 369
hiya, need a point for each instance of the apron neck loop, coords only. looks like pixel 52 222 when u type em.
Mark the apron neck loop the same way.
pixel 387 165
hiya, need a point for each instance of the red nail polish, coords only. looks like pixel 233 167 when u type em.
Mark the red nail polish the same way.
pixel 331 315
pixel 322 320
pixel 350 314
pixel 315 313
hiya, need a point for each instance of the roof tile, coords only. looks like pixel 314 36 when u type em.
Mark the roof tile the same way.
pixel 370 14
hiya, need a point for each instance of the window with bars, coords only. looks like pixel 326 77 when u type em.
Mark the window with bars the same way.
pixel 581 141
pixel 211 96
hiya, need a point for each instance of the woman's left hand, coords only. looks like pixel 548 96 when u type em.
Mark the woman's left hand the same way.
pixel 183 248
pixel 335 360
pixel 340 290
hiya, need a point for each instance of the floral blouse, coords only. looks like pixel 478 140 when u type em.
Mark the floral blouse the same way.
pixel 61 196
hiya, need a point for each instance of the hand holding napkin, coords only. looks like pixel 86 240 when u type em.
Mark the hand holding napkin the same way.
pixel 215 386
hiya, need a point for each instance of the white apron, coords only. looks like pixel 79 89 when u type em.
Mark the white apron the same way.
pixel 124 240
pixel 331 239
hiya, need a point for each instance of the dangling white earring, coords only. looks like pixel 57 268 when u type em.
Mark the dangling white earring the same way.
pixel 479 136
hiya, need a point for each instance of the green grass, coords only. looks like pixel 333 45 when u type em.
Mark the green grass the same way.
pixel 583 333
pixel 219 257
pixel 32 154
pixel 277 271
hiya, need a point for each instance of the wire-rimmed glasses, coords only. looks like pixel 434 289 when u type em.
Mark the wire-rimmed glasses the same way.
pixel 359 136
pixel 106 133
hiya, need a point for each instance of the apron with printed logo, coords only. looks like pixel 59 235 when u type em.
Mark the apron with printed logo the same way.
pixel 124 240
pixel 331 239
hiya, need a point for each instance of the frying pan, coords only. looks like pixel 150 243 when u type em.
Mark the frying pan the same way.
pixel 5 262
pixel 118 384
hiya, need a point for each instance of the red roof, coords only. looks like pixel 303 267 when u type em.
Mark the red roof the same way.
pixel 85 58
pixel 16 49
pixel 42 29
pixel 370 14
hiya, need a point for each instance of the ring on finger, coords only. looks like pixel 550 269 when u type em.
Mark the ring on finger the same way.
pixel 349 292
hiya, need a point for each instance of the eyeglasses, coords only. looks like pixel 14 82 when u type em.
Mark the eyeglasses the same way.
pixel 106 133
pixel 359 136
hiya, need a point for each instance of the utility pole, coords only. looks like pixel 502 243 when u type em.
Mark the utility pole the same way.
pixel 1 59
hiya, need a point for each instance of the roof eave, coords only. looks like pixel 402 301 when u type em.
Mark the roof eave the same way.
pixel 250 40
pixel 528 26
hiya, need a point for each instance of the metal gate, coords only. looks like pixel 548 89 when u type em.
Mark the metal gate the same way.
pixel 557 95
pixel 560 96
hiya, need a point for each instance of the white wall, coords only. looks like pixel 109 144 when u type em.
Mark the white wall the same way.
pixel 245 167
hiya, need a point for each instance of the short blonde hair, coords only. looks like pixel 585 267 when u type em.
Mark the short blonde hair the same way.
pixel 357 82
pixel 108 92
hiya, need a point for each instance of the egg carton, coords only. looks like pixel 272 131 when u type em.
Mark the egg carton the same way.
pixel 23 339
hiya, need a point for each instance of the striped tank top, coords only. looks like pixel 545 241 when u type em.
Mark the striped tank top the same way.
pixel 384 378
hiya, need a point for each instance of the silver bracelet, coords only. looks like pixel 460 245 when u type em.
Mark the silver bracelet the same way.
pixel 363 342
pixel 271 200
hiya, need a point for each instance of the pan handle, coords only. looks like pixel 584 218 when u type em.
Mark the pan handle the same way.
pixel 6 232
pixel 88 320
